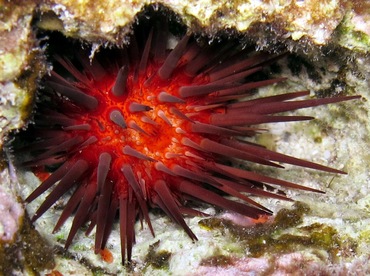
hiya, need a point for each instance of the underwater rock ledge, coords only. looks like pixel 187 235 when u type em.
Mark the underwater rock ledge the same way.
pixel 303 29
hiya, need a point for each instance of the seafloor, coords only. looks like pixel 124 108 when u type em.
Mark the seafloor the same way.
pixel 328 44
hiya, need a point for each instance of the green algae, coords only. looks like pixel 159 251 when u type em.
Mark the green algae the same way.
pixel 365 235
pixel 217 260
pixel 283 236
pixel 157 259
pixel 29 252
pixel 350 38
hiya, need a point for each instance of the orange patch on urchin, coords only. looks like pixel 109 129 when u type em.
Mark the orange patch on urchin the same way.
pixel 147 126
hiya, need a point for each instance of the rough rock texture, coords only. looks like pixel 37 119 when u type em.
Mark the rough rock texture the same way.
pixel 310 23
pixel 312 20
pixel 20 64
pixel 11 212
pixel 330 43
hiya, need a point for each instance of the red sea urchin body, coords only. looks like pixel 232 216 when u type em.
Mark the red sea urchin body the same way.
pixel 149 126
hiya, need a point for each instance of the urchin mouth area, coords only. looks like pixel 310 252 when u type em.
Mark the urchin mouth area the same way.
pixel 148 125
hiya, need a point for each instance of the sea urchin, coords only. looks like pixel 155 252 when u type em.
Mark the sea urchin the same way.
pixel 148 126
